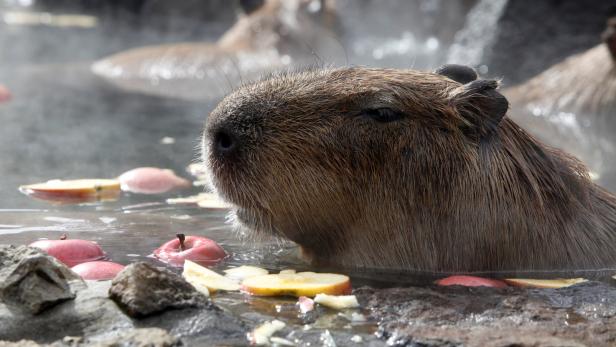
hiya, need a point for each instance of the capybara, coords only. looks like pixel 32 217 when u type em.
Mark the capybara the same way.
pixel 384 168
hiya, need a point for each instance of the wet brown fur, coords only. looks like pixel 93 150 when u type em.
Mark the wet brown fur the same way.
pixel 444 189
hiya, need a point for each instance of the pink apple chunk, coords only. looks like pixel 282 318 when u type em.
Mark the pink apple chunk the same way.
pixel 72 251
pixel 97 270
pixel 470 281
pixel 198 249
pixel 5 94
pixel 151 180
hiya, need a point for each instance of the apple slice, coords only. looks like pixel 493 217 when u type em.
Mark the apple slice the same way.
pixel 470 281
pixel 193 199
pixel 240 273
pixel 151 180
pixel 212 201
pixel 80 190
pixel 204 200
pixel 200 276
pixel 5 94
pixel 539 283
pixel 287 272
pixel 297 284
pixel 98 270
pixel 337 302
pixel 261 335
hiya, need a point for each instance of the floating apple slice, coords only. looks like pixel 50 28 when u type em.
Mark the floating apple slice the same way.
pixel 81 190
pixel 297 284
pixel 538 283
pixel 337 302
pixel 204 200
pixel 193 199
pixel 470 281
pixel 287 272
pixel 261 335
pixel 97 270
pixel 198 275
pixel 212 201
pixel 200 287
pixel 151 180
pixel 197 169
pixel 245 271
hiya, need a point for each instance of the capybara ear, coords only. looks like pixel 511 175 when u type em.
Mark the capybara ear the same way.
pixel 459 73
pixel 481 105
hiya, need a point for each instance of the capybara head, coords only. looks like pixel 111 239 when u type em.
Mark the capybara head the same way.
pixel 399 169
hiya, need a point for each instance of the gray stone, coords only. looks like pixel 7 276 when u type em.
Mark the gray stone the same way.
pixel 91 312
pixel 32 280
pixel 150 337
pixel 581 315
pixel 142 289
pixel 93 317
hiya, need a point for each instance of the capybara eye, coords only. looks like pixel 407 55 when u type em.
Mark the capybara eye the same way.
pixel 383 115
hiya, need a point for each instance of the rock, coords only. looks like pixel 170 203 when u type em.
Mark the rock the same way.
pixel 33 281
pixel 21 343
pixel 93 317
pixel 581 315
pixel 90 313
pixel 150 337
pixel 142 289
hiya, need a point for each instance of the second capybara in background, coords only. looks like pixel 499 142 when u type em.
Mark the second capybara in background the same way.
pixel 572 106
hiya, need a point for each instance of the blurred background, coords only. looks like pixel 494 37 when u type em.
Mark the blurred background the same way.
pixel 98 87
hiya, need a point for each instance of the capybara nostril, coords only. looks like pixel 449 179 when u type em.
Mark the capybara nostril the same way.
pixel 225 143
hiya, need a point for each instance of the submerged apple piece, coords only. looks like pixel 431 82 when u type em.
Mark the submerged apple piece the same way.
pixel 200 276
pixel 5 94
pixel 151 180
pixel 71 252
pixel 305 304
pixel 540 283
pixel 470 281
pixel 98 270
pixel 81 190
pixel 245 271
pixel 198 249
pixel 337 302
pixel 204 200
pixel 297 284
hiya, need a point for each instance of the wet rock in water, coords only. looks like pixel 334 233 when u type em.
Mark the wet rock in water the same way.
pixel 581 315
pixel 150 337
pixel 92 317
pixel 32 280
pixel 90 313
pixel 142 289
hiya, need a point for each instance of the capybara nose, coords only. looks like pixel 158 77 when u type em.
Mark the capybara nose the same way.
pixel 225 143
